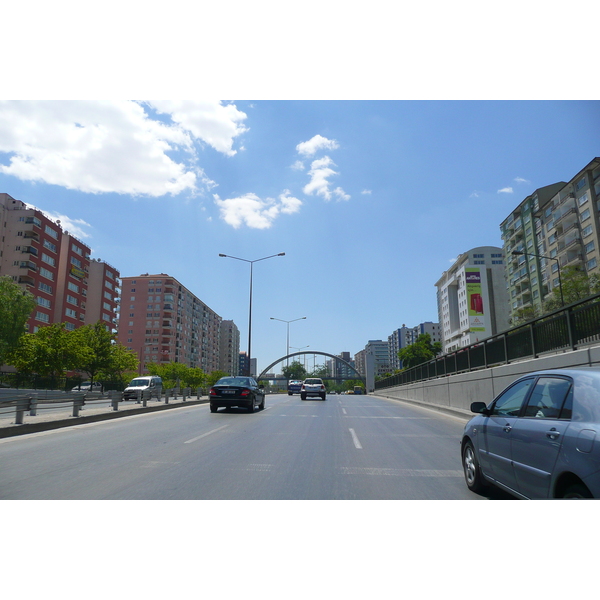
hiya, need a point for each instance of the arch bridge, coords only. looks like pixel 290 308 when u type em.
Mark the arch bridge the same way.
pixel 308 353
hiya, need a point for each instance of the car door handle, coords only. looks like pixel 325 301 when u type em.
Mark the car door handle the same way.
pixel 552 434
pixel 507 428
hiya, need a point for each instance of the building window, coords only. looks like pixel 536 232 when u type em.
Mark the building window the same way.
pixel 72 300
pixel 69 312
pixel 47 274
pixel 42 317
pixel 44 302
pixel 49 246
pixel 51 232
pixel 583 199
pixel 587 231
pixel 45 288
pixel 76 262
pixel 77 249
pixel 580 184
pixel 585 215
pixel 589 247
pixel 591 264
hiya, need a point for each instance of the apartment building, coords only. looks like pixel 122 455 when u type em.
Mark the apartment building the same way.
pixel 229 348
pixel 54 266
pixel 380 352
pixel 162 321
pixel 406 336
pixel 104 295
pixel 556 227
pixel 472 298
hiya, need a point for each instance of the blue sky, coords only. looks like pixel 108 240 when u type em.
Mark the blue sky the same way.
pixel 370 200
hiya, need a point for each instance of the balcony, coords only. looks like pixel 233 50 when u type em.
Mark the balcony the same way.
pixel 29 250
pixel 27 264
pixel 26 279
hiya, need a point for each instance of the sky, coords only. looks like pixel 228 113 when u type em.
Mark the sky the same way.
pixel 371 200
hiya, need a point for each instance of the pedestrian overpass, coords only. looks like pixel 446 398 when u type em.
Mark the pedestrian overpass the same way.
pixel 338 379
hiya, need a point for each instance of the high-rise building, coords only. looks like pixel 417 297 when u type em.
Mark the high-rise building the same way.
pixel 380 351
pixel 555 227
pixel 55 267
pixel 472 298
pixel 162 321
pixel 229 348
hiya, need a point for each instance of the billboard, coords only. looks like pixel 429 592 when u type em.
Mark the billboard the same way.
pixel 475 300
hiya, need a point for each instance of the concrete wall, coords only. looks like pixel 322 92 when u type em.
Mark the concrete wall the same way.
pixel 456 392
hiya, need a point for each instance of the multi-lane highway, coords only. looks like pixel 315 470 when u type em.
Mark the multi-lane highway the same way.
pixel 347 447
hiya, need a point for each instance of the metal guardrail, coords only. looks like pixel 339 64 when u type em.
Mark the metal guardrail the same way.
pixel 31 401
pixel 566 329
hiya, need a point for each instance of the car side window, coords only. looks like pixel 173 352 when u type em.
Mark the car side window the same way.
pixel 567 409
pixel 510 402
pixel 547 397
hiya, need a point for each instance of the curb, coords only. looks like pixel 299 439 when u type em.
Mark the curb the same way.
pixel 26 428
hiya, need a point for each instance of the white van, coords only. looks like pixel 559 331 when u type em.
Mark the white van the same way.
pixel 148 382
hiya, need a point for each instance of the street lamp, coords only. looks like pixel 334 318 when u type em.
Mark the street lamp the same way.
pixel 294 348
pixel 288 333
pixel 519 253
pixel 250 311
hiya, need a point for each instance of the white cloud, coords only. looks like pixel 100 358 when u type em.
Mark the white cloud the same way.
pixel 73 226
pixel 212 122
pixel 506 190
pixel 320 171
pixel 521 180
pixel 254 212
pixel 114 146
pixel 316 143
pixel 366 192
pixel 298 166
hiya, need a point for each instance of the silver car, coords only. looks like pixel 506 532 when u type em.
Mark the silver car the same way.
pixel 537 439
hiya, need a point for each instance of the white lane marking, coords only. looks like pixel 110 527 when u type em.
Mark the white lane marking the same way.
pixel 205 434
pixel 344 411
pixel 355 440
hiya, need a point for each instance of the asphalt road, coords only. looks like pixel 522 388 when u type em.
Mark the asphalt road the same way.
pixel 344 448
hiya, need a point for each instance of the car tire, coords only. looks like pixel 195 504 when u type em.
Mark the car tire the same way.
pixel 323 396
pixel 577 491
pixel 471 468
pixel 251 407
pixel 213 408
pixel 261 406
pixel 302 396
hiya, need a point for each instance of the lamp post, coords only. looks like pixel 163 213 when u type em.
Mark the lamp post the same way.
pixel 519 253
pixel 288 333
pixel 250 311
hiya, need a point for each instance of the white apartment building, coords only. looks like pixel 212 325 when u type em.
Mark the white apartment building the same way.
pixel 472 298
pixel 229 348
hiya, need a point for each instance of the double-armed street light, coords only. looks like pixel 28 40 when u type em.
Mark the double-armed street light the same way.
pixel 250 311
pixel 519 253
pixel 288 332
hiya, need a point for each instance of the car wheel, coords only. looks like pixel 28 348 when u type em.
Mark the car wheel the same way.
pixel 323 396
pixel 213 408
pixel 302 396
pixel 251 407
pixel 473 476
pixel 261 406
pixel 577 491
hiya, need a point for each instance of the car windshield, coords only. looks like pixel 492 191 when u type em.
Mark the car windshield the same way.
pixel 313 381
pixel 139 382
pixel 233 381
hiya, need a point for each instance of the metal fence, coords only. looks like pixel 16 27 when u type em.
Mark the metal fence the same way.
pixel 566 329
pixel 29 401
pixel 66 384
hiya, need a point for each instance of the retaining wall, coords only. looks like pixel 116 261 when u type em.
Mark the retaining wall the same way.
pixel 456 392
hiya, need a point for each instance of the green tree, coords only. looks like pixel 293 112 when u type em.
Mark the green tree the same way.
pixel 295 370
pixel 123 365
pixel 96 349
pixel 320 371
pixel 195 378
pixel 419 352
pixel 51 350
pixel 16 306
pixel 576 285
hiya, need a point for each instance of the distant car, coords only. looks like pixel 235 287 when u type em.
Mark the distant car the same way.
pixel 540 438
pixel 236 391
pixel 149 386
pixel 294 387
pixel 88 386
pixel 313 387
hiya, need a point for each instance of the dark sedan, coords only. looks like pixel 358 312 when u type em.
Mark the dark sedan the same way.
pixel 237 391
pixel 537 439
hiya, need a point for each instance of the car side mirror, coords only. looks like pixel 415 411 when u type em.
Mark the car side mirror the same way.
pixel 479 407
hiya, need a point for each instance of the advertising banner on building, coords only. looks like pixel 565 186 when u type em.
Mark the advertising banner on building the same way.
pixel 475 300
